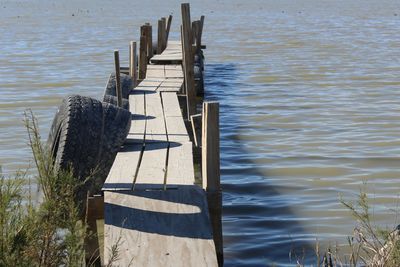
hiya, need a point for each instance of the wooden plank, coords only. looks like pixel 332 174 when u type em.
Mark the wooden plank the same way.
pixel 154 73
pixel 152 168
pixel 173 67
pixel 138 124
pixel 150 85
pixel 180 169
pixel 155 125
pixel 171 105
pixel 211 171
pixel 123 170
pixel 176 129
pixel 155 67
pixel 173 74
pixel 159 228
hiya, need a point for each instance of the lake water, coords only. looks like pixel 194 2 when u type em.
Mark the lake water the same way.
pixel 309 94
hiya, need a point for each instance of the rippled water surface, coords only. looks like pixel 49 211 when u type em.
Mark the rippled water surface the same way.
pixel 309 93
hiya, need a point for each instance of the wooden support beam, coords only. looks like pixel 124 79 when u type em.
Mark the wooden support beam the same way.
pixel 188 59
pixel 118 89
pixel 133 63
pixel 93 243
pixel 169 22
pixel 142 57
pixel 211 171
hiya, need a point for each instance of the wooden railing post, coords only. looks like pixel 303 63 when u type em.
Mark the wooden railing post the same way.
pixel 188 59
pixel 118 90
pixel 169 22
pixel 211 172
pixel 133 63
pixel 149 41
pixel 142 53
pixel 161 35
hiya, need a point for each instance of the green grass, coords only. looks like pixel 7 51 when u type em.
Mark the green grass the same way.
pixel 49 233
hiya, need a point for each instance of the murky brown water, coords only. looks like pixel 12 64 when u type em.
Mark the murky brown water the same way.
pixel 309 92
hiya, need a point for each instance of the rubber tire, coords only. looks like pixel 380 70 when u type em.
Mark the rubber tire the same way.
pixel 126 86
pixel 198 80
pixel 117 123
pixel 86 135
pixel 114 101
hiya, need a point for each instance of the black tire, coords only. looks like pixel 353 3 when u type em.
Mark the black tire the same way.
pixel 198 80
pixel 126 85
pixel 114 101
pixel 85 136
pixel 117 122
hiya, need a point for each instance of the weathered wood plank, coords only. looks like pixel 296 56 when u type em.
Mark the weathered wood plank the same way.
pixel 176 129
pixel 180 164
pixel 152 167
pixel 159 228
pixel 138 124
pixel 154 73
pixel 171 105
pixel 155 125
pixel 123 170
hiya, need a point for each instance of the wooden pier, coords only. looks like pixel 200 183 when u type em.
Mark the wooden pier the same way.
pixel 155 213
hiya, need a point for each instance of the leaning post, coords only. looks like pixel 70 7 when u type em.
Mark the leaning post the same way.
pixel 211 172
pixel 142 54
pixel 118 90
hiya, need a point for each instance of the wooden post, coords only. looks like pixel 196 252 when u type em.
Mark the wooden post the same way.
pixel 149 41
pixel 200 32
pixel 133 63
pixel 161 36
pixel 188 58
pixel 118 90
pixel 94 242
pixel 211 172
pixel 169 22
pixel 142 53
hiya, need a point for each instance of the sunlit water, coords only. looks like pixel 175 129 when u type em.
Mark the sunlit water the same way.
pixel 309 93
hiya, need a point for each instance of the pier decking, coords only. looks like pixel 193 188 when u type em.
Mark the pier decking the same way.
pixel 154 213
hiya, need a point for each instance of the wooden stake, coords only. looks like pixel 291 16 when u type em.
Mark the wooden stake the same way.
pixel 133 63
pixel 149 37
pixel 169 22
pixel 142 57
pixel 161 36
pixel 200 32
pixel 211 171
pixel 117 78
pixel 188 58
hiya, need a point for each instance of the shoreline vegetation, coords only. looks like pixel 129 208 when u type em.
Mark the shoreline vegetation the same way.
pixel 53 232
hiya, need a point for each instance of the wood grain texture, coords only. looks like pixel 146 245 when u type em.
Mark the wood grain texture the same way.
pixel 123 170
pixel 153 166
pixel 159 228
pixel 210 147
pixel 138 124
pixel 180 165
pixel 176 129
pixel 155 124
pixel 171 105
